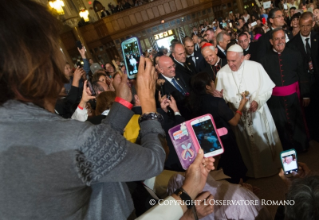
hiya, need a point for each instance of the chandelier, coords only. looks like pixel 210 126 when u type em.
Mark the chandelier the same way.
pixel 57 5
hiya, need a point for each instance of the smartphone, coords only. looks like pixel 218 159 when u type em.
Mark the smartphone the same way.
pixel 230 25
pixel 253 24
pixel 131 49
pixel 93 93
pixel 79 44
pixel 207 138
pixel 289 162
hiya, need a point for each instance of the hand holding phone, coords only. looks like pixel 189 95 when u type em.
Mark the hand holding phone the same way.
pixel 132 52
pixel 253 24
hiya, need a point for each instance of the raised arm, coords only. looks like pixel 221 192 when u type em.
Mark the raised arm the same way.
pixel 106 156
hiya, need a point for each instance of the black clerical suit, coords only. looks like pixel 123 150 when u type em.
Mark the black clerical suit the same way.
pixel 285 69
pixel 263 44
pixel 252 50
pixel 200 63
pixel 220 53
pixel 313 108
pixel 212 70
pixel 185 71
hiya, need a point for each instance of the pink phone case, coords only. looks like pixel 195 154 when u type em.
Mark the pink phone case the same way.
pixel 185 142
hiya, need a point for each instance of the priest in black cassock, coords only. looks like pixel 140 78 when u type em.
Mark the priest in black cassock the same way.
pixel 286 69
pixel 214 63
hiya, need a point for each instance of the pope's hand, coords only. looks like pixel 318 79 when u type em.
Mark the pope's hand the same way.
pixel 253 106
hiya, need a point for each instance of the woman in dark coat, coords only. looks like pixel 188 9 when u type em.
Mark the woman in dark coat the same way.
pixel 202 102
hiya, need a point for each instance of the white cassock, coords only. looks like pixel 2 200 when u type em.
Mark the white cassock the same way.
pixel 256 133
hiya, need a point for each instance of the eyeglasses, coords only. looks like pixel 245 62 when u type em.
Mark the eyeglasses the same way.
pixel 279 16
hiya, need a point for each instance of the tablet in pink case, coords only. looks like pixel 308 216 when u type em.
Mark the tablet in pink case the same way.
pixel 185 141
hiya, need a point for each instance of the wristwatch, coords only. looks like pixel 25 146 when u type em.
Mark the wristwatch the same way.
pixel 185 197
pixel 151 116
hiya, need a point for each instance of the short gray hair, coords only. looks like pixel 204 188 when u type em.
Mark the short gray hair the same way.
pixel 220 36
pixel 305 194
pixel 210 47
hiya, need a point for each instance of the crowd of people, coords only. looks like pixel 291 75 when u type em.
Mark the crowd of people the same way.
pixel 121 6
pixel 89 143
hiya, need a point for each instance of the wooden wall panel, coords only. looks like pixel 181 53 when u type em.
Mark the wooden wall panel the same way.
pixel 190 3
pixel 138 17
pixel 156 12
pixel 144 15
pixel 172 5
pixel 133 19
pixel 167 8
pixel 120 21
pixel 178 4
pixel 109 27
pixel 127 21
pixel 184 3
pixel 150 13
pixel 161 9
pixel 115 25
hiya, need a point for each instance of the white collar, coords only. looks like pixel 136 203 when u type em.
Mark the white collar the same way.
pixel 304 38
pixel 167 78
pixel 247 47
pixel 221 49
pixel 217 61
pixel 193 54
pixel 275 51
pixel 179 62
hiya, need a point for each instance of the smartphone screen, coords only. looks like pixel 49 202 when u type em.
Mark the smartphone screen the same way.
pixel 253 23
pixel 132 52
pixel 206 136
pixel 289 161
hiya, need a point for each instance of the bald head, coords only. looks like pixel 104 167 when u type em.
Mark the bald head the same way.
pixel 178 52
pixel 166 66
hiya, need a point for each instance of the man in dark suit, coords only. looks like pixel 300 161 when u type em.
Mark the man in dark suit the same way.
pixel 214 63
pixel 276 19
pixel 183 69
pixel 307 43
pixel 174 84
pixel 222 39
pixel 248 47
pixel 195 58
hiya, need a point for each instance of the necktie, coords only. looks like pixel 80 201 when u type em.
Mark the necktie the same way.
pixel 194 60
pixel 178 87
pixel 308 51
pixel 187 67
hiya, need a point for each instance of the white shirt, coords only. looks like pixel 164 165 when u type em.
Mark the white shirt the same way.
pixel 304 41
pixel 80 114
pixel 170 80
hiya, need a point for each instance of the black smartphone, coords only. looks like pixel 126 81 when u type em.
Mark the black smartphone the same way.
pixel 131 49
pixel 79 44
pixel 93 93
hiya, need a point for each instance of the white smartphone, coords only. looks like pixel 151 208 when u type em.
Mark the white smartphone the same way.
pixel 131 49
pixel 230 25
pixel 206 136
pixel 253 23
pixel 289 162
